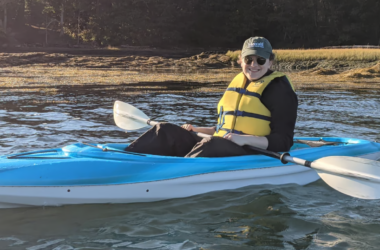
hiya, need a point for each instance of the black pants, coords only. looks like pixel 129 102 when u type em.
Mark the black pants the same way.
pixel 171 140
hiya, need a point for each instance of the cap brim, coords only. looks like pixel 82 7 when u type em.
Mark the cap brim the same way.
pixel 254 52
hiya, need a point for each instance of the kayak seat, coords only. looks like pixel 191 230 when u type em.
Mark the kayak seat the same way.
pixel 118 146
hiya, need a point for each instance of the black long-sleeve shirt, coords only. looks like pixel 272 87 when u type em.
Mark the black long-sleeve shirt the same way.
pixel 282 102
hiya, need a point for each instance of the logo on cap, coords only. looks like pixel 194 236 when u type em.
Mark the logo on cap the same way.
pixel 256 45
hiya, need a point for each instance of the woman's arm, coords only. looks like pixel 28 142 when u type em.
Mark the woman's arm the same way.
pixel 256 141
pixel 282 102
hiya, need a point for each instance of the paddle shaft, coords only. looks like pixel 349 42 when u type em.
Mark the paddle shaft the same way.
pixel 285 158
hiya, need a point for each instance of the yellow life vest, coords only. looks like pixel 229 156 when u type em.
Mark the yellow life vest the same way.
pixel 240 109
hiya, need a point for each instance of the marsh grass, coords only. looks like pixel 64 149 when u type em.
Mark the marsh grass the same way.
pixel 234 55
pixel 327 82
pixel 364 55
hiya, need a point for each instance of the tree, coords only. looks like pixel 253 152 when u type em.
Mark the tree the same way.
pixel 57 6
pixel 206 23
pixel 4 4
pixel 19 19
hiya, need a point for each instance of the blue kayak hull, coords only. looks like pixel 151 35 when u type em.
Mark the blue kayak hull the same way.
pixel 94 173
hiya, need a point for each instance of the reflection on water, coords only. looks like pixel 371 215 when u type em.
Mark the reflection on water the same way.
pixel 263 217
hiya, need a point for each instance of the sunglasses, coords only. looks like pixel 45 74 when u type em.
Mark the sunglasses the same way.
pixel 259 60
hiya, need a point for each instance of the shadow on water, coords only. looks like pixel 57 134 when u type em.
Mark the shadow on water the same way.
pixel 132 88
pixel 261 217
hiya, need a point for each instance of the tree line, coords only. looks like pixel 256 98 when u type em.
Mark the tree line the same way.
pixel 200 23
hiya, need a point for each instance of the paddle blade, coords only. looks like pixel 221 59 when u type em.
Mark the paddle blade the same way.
pixel 357 177
pixel 128 117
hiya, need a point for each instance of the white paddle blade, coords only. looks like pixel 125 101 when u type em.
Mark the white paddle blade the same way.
pixel 128 117
pixel 357 177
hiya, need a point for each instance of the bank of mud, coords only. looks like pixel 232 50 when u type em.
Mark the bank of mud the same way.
pixel 55 72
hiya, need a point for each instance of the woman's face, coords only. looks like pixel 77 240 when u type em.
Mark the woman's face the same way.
pixel 254 67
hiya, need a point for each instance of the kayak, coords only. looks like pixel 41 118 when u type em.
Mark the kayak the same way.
pixel 84 173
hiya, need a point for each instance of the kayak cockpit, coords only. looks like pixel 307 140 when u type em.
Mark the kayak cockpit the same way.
pixel 95 150
pixel 299 143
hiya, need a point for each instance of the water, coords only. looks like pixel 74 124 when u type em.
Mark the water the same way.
pixel 262 217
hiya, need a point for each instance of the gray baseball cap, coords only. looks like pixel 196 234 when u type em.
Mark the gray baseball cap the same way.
pixel 258 46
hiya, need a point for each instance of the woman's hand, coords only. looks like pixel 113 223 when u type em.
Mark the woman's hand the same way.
pixel 189 127
pixel 238 139
pixel 203 130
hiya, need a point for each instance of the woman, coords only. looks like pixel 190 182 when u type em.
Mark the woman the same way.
pixel 259 108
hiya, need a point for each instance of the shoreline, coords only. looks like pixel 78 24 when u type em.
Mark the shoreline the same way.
pixel 164 59
pixel 209 71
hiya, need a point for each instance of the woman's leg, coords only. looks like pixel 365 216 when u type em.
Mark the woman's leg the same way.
pixel 164 139
pixel 217 147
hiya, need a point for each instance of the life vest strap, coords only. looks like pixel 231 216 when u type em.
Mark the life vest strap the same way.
pixel 247 114
pixel 244 92
pixel 234 131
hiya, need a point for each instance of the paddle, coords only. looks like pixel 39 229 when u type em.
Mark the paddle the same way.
pixel 352 176
pixel 128 117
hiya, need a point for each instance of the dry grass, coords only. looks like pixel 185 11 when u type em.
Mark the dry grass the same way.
pixel 337 81
pixel 369 72
pixel 318 71
pixel 234 55
pixel 328 54
pixel 367 55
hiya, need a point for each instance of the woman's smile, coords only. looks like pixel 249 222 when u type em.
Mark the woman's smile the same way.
pixel 254 71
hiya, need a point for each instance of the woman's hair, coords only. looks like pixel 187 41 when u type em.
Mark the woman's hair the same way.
pixel 272 57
